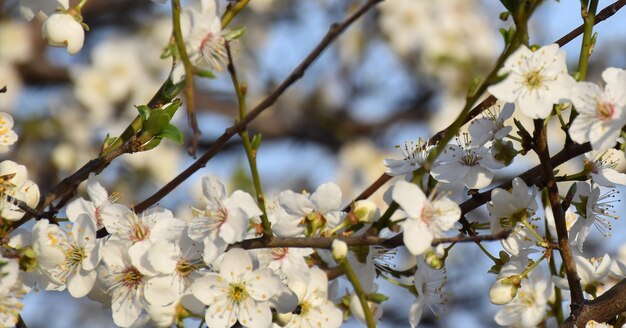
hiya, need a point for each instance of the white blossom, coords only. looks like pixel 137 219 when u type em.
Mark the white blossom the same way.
pixel 321 209
pixel 7 136
pixel 491 125
pixel 315 310
pixel 591 273
pixel 124 282
pixel 204 39
pixel 414 156
pixel 427 219
pixel 14 182
pixel 601 113
pixel 99 208
pixel 64 30
pixel 224 220
pixel 429 284
pixel 507 209
pixel 593 208
pixel 536 80
pixel 465 163
pixel 237 293
pixel 528 308
pixel 601 168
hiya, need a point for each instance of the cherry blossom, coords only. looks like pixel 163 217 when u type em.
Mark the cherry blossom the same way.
pixel 536 80
pixel 429 284
pixel 465 163
pixel 224 220
pixel 321 209
pixel 81 252
pixel 414 156
pixel 204 39
pixel 11 292
pixel 14 182
pixel 315 310
pixel 601 113
pixel 507 209
pixel 593 208
pixel 64 30
pixel 237 293
pixel 124 282
pixel 491 125
pixel 427 219
pixel 7 136
pixel 528 308
pixel 591 272
pixel 99 208
pixel 601 168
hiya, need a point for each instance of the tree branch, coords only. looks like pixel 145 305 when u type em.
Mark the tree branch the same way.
pixel 334 31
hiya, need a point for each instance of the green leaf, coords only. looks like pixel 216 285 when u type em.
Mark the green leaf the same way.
pixel 235 34
pixel 171 90
pixel 157 122
pixel 377 297
pixel 144 112
pixel 151 144
pixel 256 141
pixel 205 73
pixel 172 107
pixel 173 133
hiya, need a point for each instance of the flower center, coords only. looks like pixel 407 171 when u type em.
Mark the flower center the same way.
pixel 304 308
pixel 527 299
pixel 533 80
pixel 75 256
pixel 427 214
pixel 131 278
pixel 237 292
pixel 605 110
pixel 140 232
pixel 470 158
pixel 184 268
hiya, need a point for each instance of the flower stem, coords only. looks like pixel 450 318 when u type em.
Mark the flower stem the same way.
pixel 589 17
pixel 532 267
pixel 482 248
pixel 232 10
pixel 250 149
pixel 189 81
pixel 531 229
pixel 358 289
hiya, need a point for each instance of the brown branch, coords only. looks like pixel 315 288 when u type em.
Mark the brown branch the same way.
pixel 602 309
pixel 576 291
pixel 334 31
pixel 20 322
pixel 363 240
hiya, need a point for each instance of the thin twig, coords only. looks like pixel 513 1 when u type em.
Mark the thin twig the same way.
pixel 240 91
pixel 363 240
pixel 189 78
pixel 334 31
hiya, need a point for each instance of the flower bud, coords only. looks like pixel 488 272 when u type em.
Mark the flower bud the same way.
pixel 64 30
pixel 366 211
pixel 340 250
pixel 502 292
pixel 434 260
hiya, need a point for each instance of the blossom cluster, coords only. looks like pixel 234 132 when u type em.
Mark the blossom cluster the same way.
pixel 158 267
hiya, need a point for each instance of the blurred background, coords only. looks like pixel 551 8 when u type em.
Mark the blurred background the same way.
pixel 398 74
